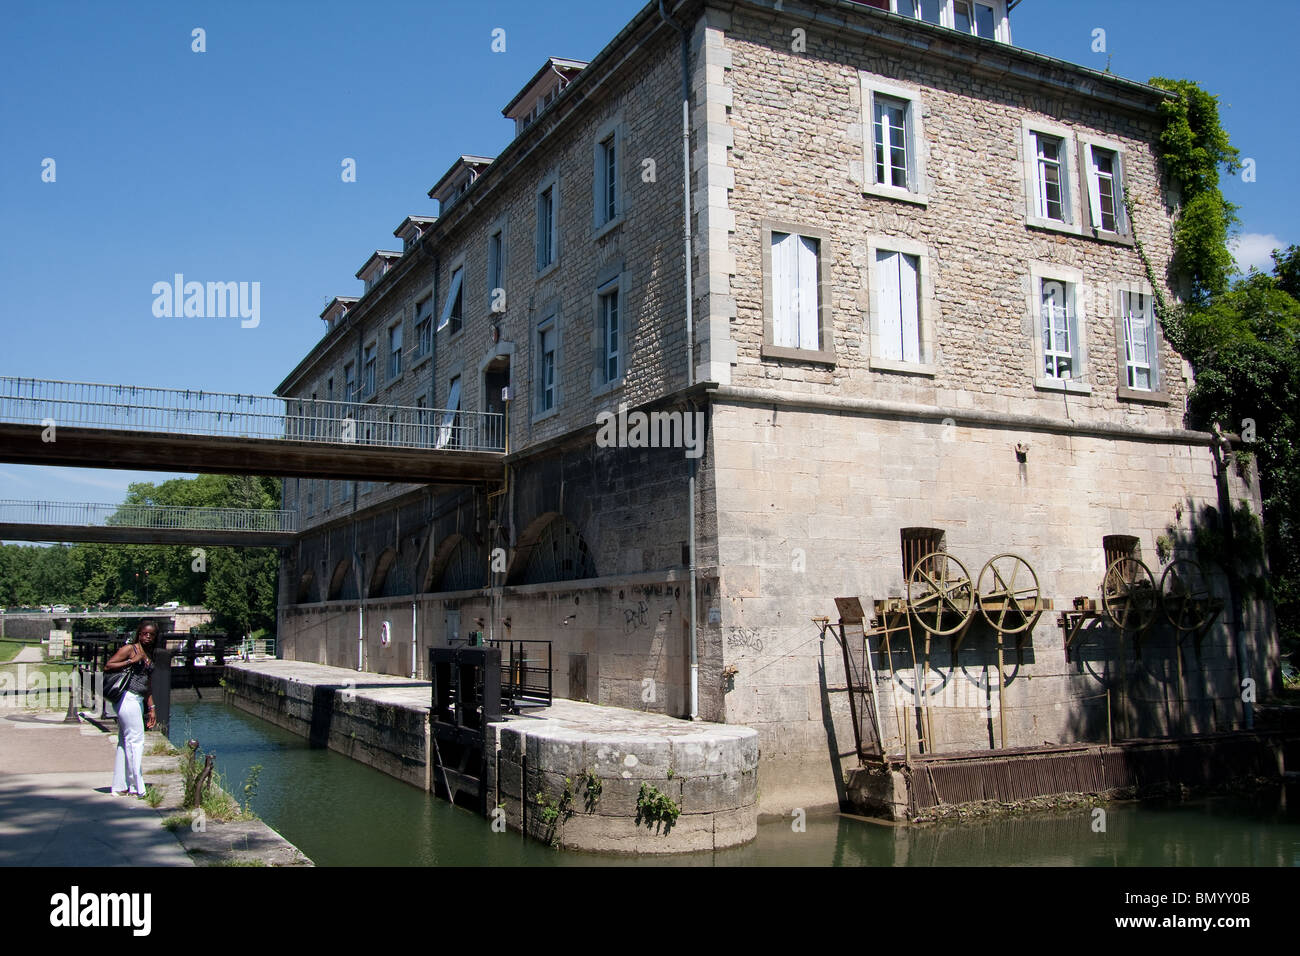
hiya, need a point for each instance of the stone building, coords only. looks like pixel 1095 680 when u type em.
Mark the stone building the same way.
pixel 916 311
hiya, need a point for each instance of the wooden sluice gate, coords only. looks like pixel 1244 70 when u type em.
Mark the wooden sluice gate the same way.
pixel 1137 765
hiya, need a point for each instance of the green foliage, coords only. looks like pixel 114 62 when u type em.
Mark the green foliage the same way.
pixel 177 820
pixel 592 787
pixel 653 806
pixel 238 584
pixel 1194 148
pixel 553 811
pixel 250 787
pixel 1242 339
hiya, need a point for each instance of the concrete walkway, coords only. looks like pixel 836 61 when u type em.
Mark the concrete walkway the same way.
pixel 29 655
pixel 56 808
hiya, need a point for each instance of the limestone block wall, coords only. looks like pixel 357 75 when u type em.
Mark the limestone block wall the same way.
pixel 798 125
pixel 811 502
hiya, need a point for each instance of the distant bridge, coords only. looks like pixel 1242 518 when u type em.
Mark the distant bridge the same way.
pixel 82 424
pixel 145 524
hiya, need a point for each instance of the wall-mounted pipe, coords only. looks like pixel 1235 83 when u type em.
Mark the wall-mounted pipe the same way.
pixel 693 640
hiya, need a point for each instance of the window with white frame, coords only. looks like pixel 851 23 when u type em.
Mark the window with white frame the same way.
pixel 1103 169
pixel 368 371
pixel 982 18
pixel 898 291
pixel 496 269
pixel 796 299
pixel 547 341
pixel 452 305
pixel 611 331
pixel 547 240
pixel 394 351
pixel 1049 176
pixel 894 139
pixel 424 327
pixel 1059 329
pixel 1141 350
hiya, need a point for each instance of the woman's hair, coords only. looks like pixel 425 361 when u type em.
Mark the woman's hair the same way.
pixel 147 623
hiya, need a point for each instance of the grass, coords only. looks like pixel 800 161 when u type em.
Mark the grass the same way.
pixel 177 821
pixel 241 863
pixel 9 649
pixel 162 748
pixel 152 795
pixel 217 804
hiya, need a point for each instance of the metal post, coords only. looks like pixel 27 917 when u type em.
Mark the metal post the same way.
pixel 1110 737
pixel 161 687
pixel 1002 693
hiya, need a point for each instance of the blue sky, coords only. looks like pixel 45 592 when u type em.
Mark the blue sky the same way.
pixel 225 165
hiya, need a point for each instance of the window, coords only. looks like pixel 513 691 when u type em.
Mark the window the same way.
pixel 496 270
pixel 394 352
pixel 797 322
pixel 893 140
pixel 546 346
pixel 889 139
pixel 607 198
pixel 610 335
pixel 1059 333
pixel 1056 309
pixel 1103 173
pixel 795 297
pixel 368 371
pixel 1141 351
pixel 547 233
pixel 449 428
pixel 424 327
pixel 1048 177
pixel 451 310
pixel 899 278
pixel 982 18
pixel 902 306
pixel 349 382
pixel 1051 189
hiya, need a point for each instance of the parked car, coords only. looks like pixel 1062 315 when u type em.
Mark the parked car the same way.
pixel 169 606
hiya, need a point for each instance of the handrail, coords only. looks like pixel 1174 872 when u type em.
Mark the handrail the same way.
pixel 42 402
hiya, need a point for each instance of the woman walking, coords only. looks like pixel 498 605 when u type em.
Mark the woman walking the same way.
pixel 135 710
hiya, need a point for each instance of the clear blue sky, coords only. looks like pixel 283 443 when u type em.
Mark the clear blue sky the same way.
pixel 224 165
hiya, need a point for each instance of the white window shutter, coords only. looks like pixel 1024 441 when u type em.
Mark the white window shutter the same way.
pixel 1094 189
pixel 910 316
pixel 888 305
pixel 449 416
pixel 785 329
pixel 452 291
pixel 809 331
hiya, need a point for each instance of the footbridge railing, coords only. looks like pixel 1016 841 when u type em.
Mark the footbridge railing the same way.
pixel 156 517
pixel 187 411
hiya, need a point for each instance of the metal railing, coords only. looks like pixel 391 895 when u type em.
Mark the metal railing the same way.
pixel 90 514
pixel 198 412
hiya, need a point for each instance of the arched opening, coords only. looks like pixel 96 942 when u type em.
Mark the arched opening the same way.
pixel 343 584
pixel 552 549
pixel 306 595
pixel 457 565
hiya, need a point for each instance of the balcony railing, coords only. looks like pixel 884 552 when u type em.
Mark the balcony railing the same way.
pixel 226 414
pixel 168 517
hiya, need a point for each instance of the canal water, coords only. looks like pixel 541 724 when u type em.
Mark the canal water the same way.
pixel 341 813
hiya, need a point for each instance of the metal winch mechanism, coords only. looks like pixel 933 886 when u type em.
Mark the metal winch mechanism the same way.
pixel 1131 602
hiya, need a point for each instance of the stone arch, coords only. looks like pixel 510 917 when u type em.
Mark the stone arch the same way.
pixel 457 565
pixel 380 575
pixel 551 549
pixel 343 586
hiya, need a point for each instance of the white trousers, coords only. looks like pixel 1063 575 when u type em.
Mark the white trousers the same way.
pixel 127 765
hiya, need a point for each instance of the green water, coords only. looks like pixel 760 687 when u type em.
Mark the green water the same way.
pixel 341 813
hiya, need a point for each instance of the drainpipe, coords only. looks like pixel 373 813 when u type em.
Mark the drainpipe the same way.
pixel 414 640
pixel 690 349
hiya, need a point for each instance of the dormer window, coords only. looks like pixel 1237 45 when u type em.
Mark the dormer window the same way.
pixel 542 90
pixel 981 18
pixel 457 180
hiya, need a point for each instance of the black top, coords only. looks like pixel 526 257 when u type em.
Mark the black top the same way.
pixel 141 675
